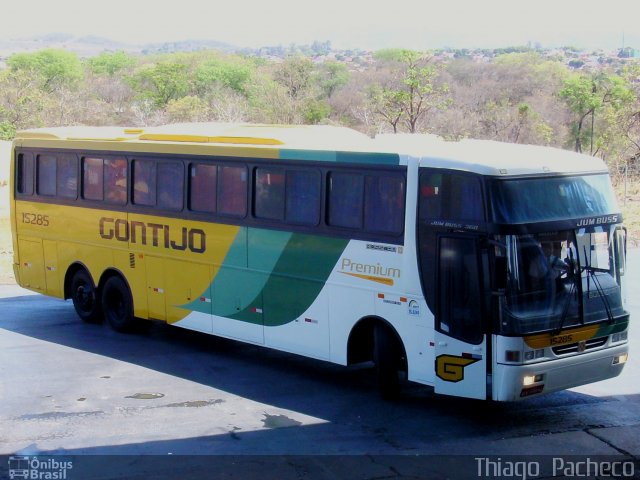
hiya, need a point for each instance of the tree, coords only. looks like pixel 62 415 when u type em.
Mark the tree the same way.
pixel 587 93
pixel 294 74
pixel 111 63
pixel 331 76
pixel 229 73
pixel 54 68
pixel 413 92
pixel 161 82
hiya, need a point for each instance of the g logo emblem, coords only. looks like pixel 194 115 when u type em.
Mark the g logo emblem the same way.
pixel 451 369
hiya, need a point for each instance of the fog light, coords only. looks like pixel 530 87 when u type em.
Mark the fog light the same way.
pixel 620 359
pixel 531 379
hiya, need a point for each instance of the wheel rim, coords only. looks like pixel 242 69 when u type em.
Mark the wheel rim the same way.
pixel 85 297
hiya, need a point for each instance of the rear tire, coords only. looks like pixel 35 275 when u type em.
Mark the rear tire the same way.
pixel 388 359
pixel 85 297
pixel 117 305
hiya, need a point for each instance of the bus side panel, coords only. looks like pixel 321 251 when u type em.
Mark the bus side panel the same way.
pixel 52 275
pixel 183 295
pixel 308 334
pixel 32 264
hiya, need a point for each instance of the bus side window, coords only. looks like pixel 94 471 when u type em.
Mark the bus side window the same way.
pixel 269 193
pixel 92 178
pixel 171 185
pixel 46 167
pixel 67 177
pixel 144 182
pixel 115 181
pixel 232 191
pixel 24 174
pixel 346 196
pixel 202 187
pixel 303 197
pixel 384 204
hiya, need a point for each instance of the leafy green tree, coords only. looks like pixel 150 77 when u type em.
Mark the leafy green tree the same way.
pixel 111 63
pixel 233 74
pixel 162 82
pixel 585 94
pixel 294 74
pixel 54 68
pixel 414 92
pixel 331 76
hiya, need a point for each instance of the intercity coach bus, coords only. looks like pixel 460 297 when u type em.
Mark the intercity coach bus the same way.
pixel 485 270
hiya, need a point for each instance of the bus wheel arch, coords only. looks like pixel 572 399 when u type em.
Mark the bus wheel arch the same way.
pixel 375 339
pixel 81 289
pixel 117 301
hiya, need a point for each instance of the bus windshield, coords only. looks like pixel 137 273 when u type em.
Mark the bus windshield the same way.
pixel 551 198
pixel 560 279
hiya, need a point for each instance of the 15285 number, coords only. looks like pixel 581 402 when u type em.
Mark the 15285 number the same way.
pixel 35 219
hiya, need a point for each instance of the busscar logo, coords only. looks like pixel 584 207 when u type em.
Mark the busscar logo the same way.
pixel 38 468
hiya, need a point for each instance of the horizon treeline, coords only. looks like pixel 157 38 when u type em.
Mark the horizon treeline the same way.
pixel 519 97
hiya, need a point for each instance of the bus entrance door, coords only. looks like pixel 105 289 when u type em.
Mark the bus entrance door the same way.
pixel 460 343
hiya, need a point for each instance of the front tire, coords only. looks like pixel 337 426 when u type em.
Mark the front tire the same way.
pixel 117 304
pixel 388 359
pixel 85 297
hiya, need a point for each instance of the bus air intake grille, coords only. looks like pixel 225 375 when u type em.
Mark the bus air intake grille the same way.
pixel 580 346
pixel 132 260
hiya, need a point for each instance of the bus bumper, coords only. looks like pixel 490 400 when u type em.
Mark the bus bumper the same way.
pixel 554 375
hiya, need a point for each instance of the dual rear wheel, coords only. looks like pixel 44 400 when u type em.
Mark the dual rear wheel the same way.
pixel 113 301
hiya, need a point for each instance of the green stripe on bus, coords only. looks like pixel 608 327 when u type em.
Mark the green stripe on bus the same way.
pixel 341 157
pixel 296 280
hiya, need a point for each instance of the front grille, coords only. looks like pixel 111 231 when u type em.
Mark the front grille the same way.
pixel 575 347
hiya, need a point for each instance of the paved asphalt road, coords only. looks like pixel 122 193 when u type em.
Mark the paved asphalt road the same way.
pixel 68 388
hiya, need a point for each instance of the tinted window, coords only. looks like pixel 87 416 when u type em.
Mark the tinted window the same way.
pixel 450 196
pixel 144 182
pixel 269 197
pixel 67 177
pixel 92 178
pixel 303 197
pixel 346 195
pixel 170 185
pixel 24 183
pixel 384 204
pixel 232 191
pixel 115 181
pixel 46 184
pixel 203 180
pixel 459 308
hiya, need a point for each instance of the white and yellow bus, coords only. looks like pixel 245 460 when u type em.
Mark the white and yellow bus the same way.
pixel 485 270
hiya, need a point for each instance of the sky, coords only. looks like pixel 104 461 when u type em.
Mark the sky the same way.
pixel 373 24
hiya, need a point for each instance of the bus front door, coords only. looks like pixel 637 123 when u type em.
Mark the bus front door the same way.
pixel 460 342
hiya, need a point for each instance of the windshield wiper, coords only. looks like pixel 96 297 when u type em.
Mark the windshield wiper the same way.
pixel 592 274
pixel 571 273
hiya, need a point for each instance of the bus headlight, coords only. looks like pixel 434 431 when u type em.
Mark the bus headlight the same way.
pixel 620 359
pixel 619 337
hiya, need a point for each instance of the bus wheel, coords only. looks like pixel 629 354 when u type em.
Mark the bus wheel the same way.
pixel 117 304
pixel 85 297
pixel 387 356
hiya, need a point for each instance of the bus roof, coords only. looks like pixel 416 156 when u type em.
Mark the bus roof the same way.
pixel 331 143
pixel 489 157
